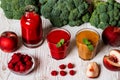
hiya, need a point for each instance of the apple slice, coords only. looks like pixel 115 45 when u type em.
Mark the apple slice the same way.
pixel 116 54
pixel 93 70
pixel 112 61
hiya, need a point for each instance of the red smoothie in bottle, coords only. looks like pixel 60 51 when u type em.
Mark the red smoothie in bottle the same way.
pixel 53 38
pixel 31 26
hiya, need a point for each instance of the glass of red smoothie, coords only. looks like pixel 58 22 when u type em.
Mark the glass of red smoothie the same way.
pixel 53 38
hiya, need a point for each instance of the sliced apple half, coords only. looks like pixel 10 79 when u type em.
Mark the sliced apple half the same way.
pixel 93 70
pixel 112 61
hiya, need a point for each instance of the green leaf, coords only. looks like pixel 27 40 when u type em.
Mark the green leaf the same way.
pixel 85 41
pixel 88 43
pixel 91 48
pixel 60 43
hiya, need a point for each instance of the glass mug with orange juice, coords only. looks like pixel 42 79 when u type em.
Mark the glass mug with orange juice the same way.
pixel 87 41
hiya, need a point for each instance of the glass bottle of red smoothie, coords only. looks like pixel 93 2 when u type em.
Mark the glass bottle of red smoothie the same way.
pixel 31 26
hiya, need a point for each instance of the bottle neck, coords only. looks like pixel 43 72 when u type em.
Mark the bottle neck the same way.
pixel 30 8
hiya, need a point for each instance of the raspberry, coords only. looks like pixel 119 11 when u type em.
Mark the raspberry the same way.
pixel 29 63
pixel 63 73
pixel 17 68
pixel 62 66
pixel 27 58
pixel 54 73
pixel 22 68
pixel 19 63
pixel 10 65
pixel 14 55
pixel 72 72
pixel 19 54
pixel 70 65
pixel 15 58
pixel 27 67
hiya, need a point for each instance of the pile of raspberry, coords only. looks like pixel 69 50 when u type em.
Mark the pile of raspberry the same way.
pixel 20 62
pixel 62 71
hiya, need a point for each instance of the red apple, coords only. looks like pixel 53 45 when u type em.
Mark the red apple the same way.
pixel 112 61
pixel 111 36
pixel 8 41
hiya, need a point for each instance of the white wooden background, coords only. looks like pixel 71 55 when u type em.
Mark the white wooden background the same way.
pixel 44 63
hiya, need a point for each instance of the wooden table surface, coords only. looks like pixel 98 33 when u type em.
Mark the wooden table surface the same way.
pixel 45 64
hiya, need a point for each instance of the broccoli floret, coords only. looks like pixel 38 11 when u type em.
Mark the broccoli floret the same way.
pixel 82 8
pixel 69 4
pixel 110 7
pixel 102 25
pixel 116 13
pixel 63 12
pixel 105 13
pixel 110 13
pixel 58 14
pixel 117 5
pixel 86 17
pixel 73 18
pixel 94 20
pixel 101 7
pixel 14 9
pixel 43 1
pixel 111 1
pixel 113 23
pixel 77 2
pixel 56 21
pixel 46 9
pixel 75 23
pixel 73 14
pixel 104 17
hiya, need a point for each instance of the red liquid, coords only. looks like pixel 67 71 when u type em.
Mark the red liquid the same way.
pixel 53 38
pixel 31 25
